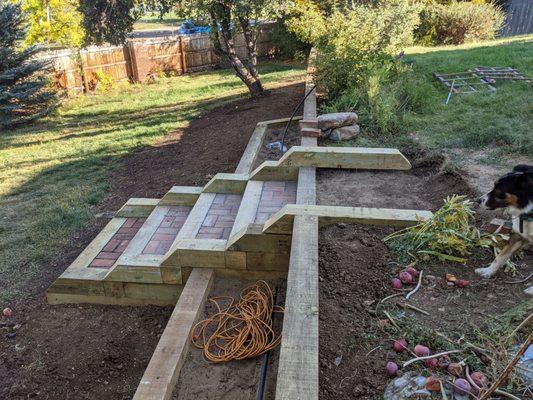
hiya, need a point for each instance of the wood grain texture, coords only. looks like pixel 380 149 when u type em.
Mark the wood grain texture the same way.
pixel 282 221
pixel 163 370
pixel 137 208
pixel 298 367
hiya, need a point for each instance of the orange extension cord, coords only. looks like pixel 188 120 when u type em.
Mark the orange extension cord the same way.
pixel 239 330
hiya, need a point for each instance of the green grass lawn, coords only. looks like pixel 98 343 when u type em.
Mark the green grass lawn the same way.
pixel 52 172
pixel 151 20
pixel 495 125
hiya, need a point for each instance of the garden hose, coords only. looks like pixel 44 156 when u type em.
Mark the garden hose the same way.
pixel 239 330
pixel 292 117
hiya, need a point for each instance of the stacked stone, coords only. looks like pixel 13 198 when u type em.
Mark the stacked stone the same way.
pixel 338 126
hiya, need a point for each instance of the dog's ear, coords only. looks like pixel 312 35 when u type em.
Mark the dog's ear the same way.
pixel 523 168
pixel 525 181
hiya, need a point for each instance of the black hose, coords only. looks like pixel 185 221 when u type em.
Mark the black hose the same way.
pixel 264 361
pixel 292 116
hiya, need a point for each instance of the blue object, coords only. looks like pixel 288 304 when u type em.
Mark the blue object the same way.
pixel 189 28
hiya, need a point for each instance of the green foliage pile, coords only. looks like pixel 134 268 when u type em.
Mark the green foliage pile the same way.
pixel 459 22
pixel 24 90
pixel 447 235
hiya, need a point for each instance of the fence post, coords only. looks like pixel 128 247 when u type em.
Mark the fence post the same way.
pixel 84 76
pixel 183 55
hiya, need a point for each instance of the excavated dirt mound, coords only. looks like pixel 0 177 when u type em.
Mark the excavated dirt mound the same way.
pixel 356 269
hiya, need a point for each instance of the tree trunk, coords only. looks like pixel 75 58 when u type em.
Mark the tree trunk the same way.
pixel 221 16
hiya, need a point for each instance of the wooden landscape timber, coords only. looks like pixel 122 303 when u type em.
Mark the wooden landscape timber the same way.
pixel 163 370
pixel 137 208
pixel 282 222
pixel 297 377
pixel 181 196
pixel 254 144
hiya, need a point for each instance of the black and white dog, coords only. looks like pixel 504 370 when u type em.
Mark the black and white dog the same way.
pixel 514 192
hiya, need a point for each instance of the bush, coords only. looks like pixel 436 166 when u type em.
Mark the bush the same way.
pixel 383 97
pixel 289 46
pixel 459 22
pixel 351 43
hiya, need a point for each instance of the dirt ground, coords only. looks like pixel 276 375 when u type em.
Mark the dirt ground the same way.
pixel 275 134
pixel 100 352
pixel 200 380
pixel 356 268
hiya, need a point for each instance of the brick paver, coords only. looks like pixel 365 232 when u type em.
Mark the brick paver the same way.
pixel 167 230
pixel 274 196
pixel 220 217
pixel 117 244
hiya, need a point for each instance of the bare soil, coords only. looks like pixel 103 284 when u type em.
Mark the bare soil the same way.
pixel 201 380
pixel 101 352
pixel 356 268
pixel 277 134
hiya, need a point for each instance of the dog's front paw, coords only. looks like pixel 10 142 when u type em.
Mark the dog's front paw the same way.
pixel 529 290
pixel 485 272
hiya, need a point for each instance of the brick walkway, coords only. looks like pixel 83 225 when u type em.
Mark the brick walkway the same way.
pixel 274 196
pixel 220 217
pixel 167 230
pixel 118 243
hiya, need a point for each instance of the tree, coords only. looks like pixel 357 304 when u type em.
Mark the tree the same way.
pixel 110 21
pixel 24 93
pixel 53 22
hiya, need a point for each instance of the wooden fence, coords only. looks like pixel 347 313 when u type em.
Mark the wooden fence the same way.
pixel 76 71
pixel 519 19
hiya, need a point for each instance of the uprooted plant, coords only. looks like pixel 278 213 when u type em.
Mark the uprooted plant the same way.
pixel 448 235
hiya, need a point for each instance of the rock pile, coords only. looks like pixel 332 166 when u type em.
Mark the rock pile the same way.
pixel 338 126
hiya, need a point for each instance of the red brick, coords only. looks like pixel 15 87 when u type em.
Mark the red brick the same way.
pixel 102 263
pixel 209 230
pixel 224 224
pixel 167 222
pixel 111 245
pixel 227 218
pixel 123 236
pixel 122 246
pixel 162 236
pixel 151 247
pixel 127 231
pixel 163 247
pixel 220 212
pixel 219 199
pixel 226 233
pixel 129 222
pixel 167 231
pixel 108 255
pixel 210 220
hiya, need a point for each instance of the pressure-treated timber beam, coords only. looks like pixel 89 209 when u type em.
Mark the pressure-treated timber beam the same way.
pixel 227 183
pixel 137 208
pixel 282 222
pixel 335 157
pixel 181 196
pixel 297 377
pixel 163 370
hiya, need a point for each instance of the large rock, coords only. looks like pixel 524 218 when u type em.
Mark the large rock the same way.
pixel 344 133
pixel 336 120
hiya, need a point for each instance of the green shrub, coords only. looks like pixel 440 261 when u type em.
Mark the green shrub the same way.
pixel 362 38
pixel 289 46
pixel 386 93
pixel 459 22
